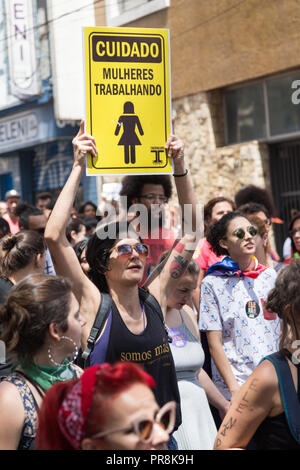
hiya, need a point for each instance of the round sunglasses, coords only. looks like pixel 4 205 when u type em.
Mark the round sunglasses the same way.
pixel 127 250
pixel 143 427
pixel 240 232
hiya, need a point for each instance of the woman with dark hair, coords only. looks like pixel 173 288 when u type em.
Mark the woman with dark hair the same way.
pixel 239 331
pixel 111 407
pixel 134 330
pixel 267 408
pixel 4 227
pixel 294 233
pixel 75 231
pixel 41 328
pixel 80 250
pixel 204 256
pixel 88 209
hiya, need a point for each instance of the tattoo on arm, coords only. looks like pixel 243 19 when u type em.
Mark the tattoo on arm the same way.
pixel 227 426
pixel 245 402
pixel 178 267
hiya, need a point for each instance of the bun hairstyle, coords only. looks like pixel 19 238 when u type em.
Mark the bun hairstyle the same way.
pixel 18 251
pixel 31 306
pixel 284 300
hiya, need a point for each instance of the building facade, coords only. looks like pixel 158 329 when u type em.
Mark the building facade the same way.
pixel 235 90
pixel 35 142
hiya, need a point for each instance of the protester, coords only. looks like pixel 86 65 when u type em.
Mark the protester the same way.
pixel 3 208
pixel 41 328
pixel 75 231
pixel 4 227
pixel 214 210
pixel 198 430
pixel 111 407
pixel 117 264
pixel 43 200
pixel 153 192
pixel 239 331
pixel 31 218
pixel 294 233
pixel 80 250
pixel 20 255
pixel 88 209
pixel 262 245
pixel 266 408
pixel 12 198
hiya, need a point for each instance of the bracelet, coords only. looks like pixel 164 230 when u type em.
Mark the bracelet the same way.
pixel 182 174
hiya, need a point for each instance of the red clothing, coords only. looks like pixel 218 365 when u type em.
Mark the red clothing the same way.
pixel 13 226
pixel 157 246
pixel 204 256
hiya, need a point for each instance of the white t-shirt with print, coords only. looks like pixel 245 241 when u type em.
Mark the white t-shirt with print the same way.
pixel 233 305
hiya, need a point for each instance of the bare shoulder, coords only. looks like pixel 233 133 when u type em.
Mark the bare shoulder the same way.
pixel 11 405
pixel 264 378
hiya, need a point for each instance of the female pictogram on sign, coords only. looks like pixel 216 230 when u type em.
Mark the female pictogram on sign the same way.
pixel 129 139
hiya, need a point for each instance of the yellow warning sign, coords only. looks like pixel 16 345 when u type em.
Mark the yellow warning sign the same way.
pixel 128 103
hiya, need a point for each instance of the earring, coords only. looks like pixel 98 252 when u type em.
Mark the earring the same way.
pixel 74 354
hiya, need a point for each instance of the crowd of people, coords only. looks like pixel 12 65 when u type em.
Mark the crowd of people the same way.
pixel 126 333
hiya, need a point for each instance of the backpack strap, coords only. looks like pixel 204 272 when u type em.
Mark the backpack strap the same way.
pixel 102 314
pixel 288 393
pixel 149 299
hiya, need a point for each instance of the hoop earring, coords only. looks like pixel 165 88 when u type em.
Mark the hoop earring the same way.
pixel 74 354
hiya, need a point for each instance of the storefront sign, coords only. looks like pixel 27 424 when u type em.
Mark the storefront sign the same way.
pixel 21 32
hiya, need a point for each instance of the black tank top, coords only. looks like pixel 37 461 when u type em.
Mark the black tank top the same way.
pixel 274 433
pixel 149 349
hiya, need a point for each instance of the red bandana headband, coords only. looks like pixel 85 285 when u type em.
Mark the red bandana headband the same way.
pixel 73 411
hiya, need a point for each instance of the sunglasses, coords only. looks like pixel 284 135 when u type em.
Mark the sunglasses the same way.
pixel 294 232
pixel 127 250
pixel 240 232
pixel 143 428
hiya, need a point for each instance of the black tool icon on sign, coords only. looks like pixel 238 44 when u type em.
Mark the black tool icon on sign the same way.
pixel 129 139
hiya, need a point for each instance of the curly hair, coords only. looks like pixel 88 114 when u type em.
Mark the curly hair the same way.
pixel 31 306
pixel 252 193
pixel 132 186
pixel 286 296
pixel 218 232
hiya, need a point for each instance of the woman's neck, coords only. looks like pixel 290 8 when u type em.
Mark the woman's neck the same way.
pixel 126 298
pixel 245 262
pixel 21 274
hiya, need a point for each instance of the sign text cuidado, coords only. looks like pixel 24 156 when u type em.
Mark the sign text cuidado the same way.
pixel 128 99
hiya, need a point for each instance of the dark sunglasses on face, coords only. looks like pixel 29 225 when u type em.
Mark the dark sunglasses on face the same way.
pixel 127 250
pixel 143 428
pixel 294 232
pixel 240 232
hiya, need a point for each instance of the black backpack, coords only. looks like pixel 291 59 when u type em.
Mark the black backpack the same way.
pixel 102 314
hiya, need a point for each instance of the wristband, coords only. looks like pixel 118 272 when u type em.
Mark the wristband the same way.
pixel 182 174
